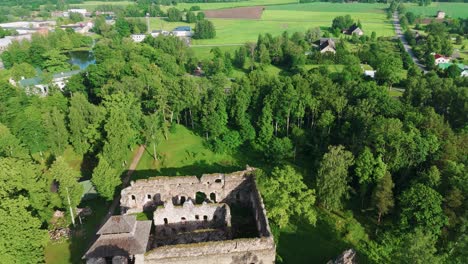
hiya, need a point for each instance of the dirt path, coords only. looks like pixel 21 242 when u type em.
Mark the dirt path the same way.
pixel 125 181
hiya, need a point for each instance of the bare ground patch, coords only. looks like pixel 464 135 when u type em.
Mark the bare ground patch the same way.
pixel 251 12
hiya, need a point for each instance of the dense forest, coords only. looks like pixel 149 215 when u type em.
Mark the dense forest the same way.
pixel 327 144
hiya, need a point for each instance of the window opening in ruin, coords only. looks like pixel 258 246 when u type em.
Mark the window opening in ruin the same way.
pixel 200 197
pixel 213 197
pixel 165 221
pixel 197 217
pixel 133 198
pixel 182 199
pixel 149 196
pixel 182 218
pixel 218 181
pixel 205 217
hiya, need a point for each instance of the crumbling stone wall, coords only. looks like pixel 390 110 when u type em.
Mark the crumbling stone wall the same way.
pixel 155 191
pixel 237 251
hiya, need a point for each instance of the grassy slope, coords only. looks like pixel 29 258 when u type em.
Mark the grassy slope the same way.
pixel 451 9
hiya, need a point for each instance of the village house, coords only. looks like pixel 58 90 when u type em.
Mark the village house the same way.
pixel 183 31
pixel 327 45
pixel 353 30
pixel 138 37
pixel 36 86
pixel 156 33
pixel 6 41
pixel 440 14
pixel 438 59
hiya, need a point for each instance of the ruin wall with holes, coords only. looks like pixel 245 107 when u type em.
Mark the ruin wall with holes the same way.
pixel 233 188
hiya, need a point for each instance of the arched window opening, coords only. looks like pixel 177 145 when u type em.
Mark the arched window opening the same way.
pixel 218 180
pixel 148 196
pixel 205 218
pixel 182 199
pixel 200 197
pixel 183 218
pixel 213 197
pixel 133 198
pixel 165 221
pixel 197 217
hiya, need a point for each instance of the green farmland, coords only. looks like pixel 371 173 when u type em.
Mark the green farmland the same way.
pixel 454 10
pixel 291 18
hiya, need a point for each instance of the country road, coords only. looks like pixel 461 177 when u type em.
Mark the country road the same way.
pixel 399 33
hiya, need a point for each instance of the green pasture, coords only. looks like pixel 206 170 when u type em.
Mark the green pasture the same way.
pixel 221 5
pixel 454 10
pixel 291 18
pixel 92 5
pixel 205 51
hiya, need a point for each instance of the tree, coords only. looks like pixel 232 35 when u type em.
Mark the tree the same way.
pixel 388 69
pixel 106 179
pixel 286 196
pixel 57 133
pixel 174 15
pixel 313 35
pixel 263 55
pixel 69 191
pixel 122 26
pixel 453 71
pixel 191 17
pixel 204 29
pixel 342 22
pixel 368 169
pixel 54 61
pixel 382 197
pixel 10 146
pixel 76 17
pixel 240 56
pixel 23 240
pixel 332 179
pixel 422 207
pixel 84 123
pixel 200 16
pixel 417 246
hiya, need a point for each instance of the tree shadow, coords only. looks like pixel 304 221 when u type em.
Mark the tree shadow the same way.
pixel 305 243
pixel 196 169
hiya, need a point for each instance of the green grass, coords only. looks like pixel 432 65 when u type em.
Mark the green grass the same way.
pixel 454 10
pixel 184 153
pixel 58 252
pixel 202 52
pixel 208 6
pixel 92 5
pixel 292 18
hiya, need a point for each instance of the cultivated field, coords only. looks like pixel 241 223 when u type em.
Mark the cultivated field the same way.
pixel 291 18
pixel 451 9
pixel 248 12
pixel 92 5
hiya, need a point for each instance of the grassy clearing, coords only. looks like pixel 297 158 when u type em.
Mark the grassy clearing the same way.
pixel 208 6
pixel 184 153
pixel 58 253
pixel 92 5
pixel 451 9
pixel 202 52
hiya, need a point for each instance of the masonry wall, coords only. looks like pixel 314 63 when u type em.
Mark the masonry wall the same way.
pixel 157 190
pixel 238 251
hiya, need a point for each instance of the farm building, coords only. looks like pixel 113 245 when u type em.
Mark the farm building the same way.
pixel 327 45
pixel 183 31
pixel 440 14
pixel 440 59
pixel 354 30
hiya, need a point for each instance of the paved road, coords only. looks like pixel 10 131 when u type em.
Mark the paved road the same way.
pixel 400 34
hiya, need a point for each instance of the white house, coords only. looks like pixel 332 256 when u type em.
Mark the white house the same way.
pixel 440 59
pixel 183 31
pixel 464 73
pixel 156 33
pixel 138 37
pixel 35 85
pixel 370 73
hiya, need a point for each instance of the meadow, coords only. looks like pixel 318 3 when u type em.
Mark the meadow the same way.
pixel 92 5
pixel 454 10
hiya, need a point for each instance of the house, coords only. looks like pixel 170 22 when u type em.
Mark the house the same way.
pixel 353 30
pixel 6 41
pixel 81 11
pixel 183 31
pixel 35 85
pixel 369 73
pixel 440 14
pixel 464 73
pixel 327 45
pixel 440 59
pixel 160 32
pixel 138 37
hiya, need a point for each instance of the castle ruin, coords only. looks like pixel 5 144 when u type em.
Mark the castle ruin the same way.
pixel 218 218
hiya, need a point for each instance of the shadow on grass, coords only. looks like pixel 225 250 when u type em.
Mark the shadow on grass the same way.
pixel 304 243
pixel 85 234
pixel 196 169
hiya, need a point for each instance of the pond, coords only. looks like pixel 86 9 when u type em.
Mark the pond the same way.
pixel 82 58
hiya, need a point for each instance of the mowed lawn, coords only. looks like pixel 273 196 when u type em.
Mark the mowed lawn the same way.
pixel 184 153
pixel 455 10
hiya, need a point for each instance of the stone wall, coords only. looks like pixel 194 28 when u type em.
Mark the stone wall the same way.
pixel 217 187
pixel 238 251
